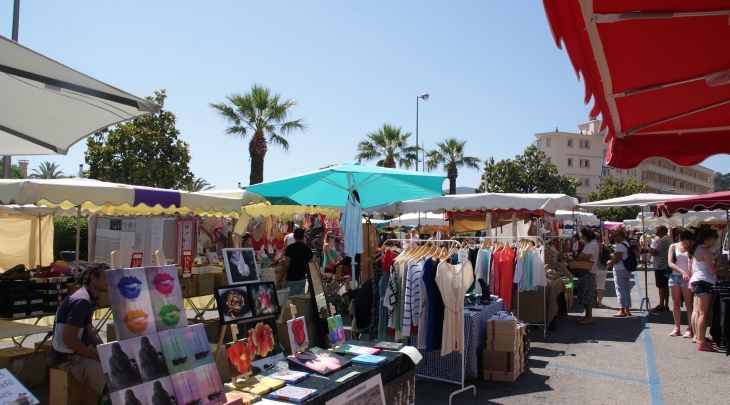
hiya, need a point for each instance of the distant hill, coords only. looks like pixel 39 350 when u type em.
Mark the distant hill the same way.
pixel 463 190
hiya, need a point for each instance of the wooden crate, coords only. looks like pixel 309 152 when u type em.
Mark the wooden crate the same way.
pixel 65 390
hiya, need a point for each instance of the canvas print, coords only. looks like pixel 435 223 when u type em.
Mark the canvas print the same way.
pixel 239 354
pixel 187 391
pixel 293 394
pixel 290 376
pixel 210 385
pixel 130 302
pixel 175 349
pixel 319 360
pixel 263 337
pixel 298 337
pixel 198 345
pixel 150 358
pixel 119 364
pixel 168 310
pixel 241 266
pixel 134 396
pixel 159 392
pixel 332 327
pixel 264 299
pixel 234 303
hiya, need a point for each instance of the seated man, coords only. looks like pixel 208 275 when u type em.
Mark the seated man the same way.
pixel 74 340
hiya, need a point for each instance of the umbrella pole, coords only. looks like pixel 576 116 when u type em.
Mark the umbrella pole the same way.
pixel 647 308
pixel 78 236
pixel 40 243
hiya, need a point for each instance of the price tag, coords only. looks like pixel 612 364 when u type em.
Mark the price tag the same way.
pixel 136 259
pixel 187 263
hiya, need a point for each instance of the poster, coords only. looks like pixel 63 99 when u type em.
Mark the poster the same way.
pixel 14 390
pixel 241 266
pixel 368 393
pixel 234 303
pixel 130 302
pixel 165 297
pixel 264 337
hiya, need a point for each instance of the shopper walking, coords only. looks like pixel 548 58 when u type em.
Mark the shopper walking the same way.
pixel 661 274
pixel 587 281
pixel 296 264
pixel 679 261
pixel 704 277
pixel 621 276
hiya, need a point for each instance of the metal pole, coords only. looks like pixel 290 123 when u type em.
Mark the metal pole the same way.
pixel 417 131
pixel 16 21
pixel 78 236
pixel 40 243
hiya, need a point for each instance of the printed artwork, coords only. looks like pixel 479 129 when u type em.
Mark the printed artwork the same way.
pixel 241 266
pixel 336 329
pixel 319 360
pixel 264 299
pixel 175 348
pixel 165 295
pixel 120 365
pixel 133 395
pixel 198 346
pixel 159 392
pixel 130 302
pixel 234 303
pixel 298 337
pixel 263 336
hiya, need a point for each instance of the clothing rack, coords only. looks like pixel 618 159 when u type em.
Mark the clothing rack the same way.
pixel 461 343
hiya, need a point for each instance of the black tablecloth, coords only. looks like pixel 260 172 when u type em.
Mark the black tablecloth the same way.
pixel 326 386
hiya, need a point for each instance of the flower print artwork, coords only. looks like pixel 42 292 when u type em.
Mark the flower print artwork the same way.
pixel 297 333
pixel 264 299
pixel 241 265
pixel 262 343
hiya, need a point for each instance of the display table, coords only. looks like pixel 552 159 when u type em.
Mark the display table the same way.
pixel 449 367
pixel 326 386
pixel 532 306
pixel 11 330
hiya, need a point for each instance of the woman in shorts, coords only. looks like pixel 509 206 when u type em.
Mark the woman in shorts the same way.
pixel 702 282
pixel 679 262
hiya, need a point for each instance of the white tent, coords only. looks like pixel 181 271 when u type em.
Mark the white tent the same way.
pixel 425 219
pixel 585 218
pixel 26 234
pixel 47 107
pixel 641 199
pixel 485 201
pixel 678 220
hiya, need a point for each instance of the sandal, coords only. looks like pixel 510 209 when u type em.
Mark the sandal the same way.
pixel 675 332
pixel 706 347
pixel 619 315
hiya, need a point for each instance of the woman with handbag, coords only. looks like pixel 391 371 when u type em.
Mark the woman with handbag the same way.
pixel 587 281
pixel 678 259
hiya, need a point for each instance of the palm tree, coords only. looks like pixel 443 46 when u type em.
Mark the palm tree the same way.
pixel 47 170
pixel 260 114
pixel 199 184
pixel 388 145
pixel 450 153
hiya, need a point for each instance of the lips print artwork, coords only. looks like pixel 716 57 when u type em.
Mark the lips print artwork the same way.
pixel 136 320
pixel 170 315
pixel 164 283
pixel 130 287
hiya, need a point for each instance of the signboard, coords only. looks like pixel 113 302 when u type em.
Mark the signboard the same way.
pixel 187 263
pixel 136 259
pixel 13 392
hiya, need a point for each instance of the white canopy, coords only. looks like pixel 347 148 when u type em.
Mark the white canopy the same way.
pixel 46 107
pixel 246 197
pixel 585 218
pixel 641 199
pixel 426 219
pixel 114 199
pixel 485 201
pixel 678 220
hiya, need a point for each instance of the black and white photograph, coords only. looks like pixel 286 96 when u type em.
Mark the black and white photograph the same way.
pixel 234 303
pixel 402 390
pixel 241 266
pixel 130 396
pixel 120 366
pixel 160 392
pixel 368 393
pixel 150 357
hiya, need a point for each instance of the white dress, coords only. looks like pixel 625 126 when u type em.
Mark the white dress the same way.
pixel 453 281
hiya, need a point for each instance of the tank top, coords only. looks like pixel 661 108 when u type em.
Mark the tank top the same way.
pixel 700 272
pixel 682 260
pixel 327 259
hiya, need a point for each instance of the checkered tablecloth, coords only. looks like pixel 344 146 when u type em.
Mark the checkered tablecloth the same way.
pixel 449 367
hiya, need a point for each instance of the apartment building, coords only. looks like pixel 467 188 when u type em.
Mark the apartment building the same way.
pixel 581 156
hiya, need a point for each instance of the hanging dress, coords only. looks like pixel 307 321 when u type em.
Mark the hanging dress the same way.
pixel 452 281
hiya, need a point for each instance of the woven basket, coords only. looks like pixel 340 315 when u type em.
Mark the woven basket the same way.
pixel 580 266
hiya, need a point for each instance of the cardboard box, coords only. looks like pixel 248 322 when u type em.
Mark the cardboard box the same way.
pixel 204 284
pixel 47 357
pixel 501 361
pixel 501 326
pixel 220 279
pixel 34 374
pixel 188 287
pixel 305 307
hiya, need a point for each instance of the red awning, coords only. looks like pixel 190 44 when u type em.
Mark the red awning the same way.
pixel 659 73
pixel 713 201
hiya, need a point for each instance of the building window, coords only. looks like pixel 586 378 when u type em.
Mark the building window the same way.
pixel 570 162
pixel 539 144
pixel 585 144
pixel 586 182
pixel 570 143
pixel 585 163
pixel 549 144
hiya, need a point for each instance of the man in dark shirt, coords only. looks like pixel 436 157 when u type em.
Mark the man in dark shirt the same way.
pixel 74 340
pixel 296 263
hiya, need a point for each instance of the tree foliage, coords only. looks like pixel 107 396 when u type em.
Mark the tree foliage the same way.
pixel 527 173
pixel 390 146
pixel 450 154
pixel 47 170
pixel 64 237
pixel 722 181
pixel 15 172
pixel 145 151
pixel 609 187
pixel 261 114
pixel 200 184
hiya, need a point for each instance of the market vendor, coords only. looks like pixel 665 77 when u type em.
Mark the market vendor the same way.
pixel 74 340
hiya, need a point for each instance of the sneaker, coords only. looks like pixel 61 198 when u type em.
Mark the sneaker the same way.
pixel 688 334
pixel 675 332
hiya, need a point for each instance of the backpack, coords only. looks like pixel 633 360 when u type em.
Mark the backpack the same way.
pixel 630 262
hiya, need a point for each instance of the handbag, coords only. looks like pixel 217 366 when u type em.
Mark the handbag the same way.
pixel 668 271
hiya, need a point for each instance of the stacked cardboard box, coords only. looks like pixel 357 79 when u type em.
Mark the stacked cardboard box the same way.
pixel 503 358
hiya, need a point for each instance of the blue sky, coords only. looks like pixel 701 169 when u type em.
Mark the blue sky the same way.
pixel 492 70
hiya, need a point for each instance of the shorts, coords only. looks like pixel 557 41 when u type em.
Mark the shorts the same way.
pixel 86 371
pixel 676 280
pixel 661 280
pixel 702 287
pixel 601 279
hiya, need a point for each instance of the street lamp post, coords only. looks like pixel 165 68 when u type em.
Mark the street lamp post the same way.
pixel 424 97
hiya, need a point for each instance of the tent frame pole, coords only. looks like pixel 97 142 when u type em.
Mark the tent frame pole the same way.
pixel 78 237
pixel 646 308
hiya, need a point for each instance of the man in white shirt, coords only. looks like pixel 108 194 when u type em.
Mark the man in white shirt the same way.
pixel 414 238
pixel 660 251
